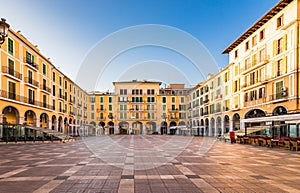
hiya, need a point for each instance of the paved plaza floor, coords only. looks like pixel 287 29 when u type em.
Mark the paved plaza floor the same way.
pixel 149 163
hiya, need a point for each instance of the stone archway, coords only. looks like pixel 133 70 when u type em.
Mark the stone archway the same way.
pixel 236 122
pixel 60 124
pixel 137 127
pixel 44 119
pixel 226 124
pixel 163 127
pixel 213 129
pixel 53 127
pixel 10 115
pixel 151 127
pixel 219 126
pixel 111 127
pixel 30 118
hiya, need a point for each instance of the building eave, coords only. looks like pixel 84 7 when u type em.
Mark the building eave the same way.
pixel 264 19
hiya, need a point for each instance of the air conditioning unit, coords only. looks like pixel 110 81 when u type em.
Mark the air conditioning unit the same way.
pixel 283 89
pixel 283 93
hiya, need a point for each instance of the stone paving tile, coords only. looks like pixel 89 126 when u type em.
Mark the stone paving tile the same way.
pixel 72 167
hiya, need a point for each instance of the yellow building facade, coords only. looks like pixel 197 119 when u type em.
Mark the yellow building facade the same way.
pixel 35 93
pixel 258 89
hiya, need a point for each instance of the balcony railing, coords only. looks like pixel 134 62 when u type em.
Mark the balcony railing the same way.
pixel 79 105
pixel 62 97
pixel 206 101
pixel 14 96
pixel 173 110
pixel 11 72
pixel 45 88
pixel 31 81
pixel 30 63
pixel 101 110
pixel 249 102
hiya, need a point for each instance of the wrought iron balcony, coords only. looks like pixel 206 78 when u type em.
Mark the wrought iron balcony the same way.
pixel 11 72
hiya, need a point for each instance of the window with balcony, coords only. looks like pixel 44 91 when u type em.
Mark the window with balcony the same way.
pixel 12 90
pixel 44 101
pixel 29 58
pixel 261 93
pixel 53 104
pixel 30 79
pixel 11 67
pixel 31 96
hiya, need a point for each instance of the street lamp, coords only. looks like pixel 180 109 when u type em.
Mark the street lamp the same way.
pixel 3 30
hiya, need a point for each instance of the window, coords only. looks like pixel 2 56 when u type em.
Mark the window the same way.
pixel 110 100
pixel 236 70
pixel 10 46
pixel 60 81
pixel 66 84
pixel 247 46
pixel 182 99
pixel 11 67
pixel 53 103
pixel 92 107
pixel 280 21
pixel 236 54
pixel 150 99
pixel 92 99
pixel 150 91
pixel 253 95
pixel 225 77
pixel 278 88
pixel 30 80
pixel 44 84
pixel 12 90
pixel 110 107
pixel 44 69
pixel 53 90
pixel 30 96
pixel 29 58
pixel 254 40
pixel 261 34
pixel 44 101
pixel 219 81
pixel 262 55
pixel 53 76
pixel 246 97
pixel 92 115
pixel 261 92
pixel 173 99
pixel 101 99
pixel 123 91
pixel 247 63
pixel 164 99
pixel 279 45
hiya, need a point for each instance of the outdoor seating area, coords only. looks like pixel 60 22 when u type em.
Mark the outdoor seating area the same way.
pixel 289 143
pixel 15 133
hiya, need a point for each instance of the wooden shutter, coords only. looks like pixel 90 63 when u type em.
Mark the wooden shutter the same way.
pixel 274 47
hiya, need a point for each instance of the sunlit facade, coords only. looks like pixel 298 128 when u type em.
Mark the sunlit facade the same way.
pixel 257 90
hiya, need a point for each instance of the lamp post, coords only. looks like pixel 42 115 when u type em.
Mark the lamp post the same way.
pixel 3 30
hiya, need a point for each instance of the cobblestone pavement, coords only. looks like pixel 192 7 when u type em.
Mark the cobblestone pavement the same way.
pixel 72 167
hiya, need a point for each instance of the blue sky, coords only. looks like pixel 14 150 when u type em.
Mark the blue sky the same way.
pixel 67 30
